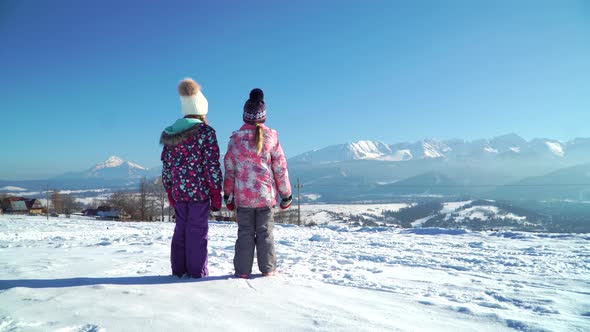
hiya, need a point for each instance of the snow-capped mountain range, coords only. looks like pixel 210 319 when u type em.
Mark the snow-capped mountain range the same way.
pixel 107 176
pixel 501 167
pixel 510 145
pixel 370 170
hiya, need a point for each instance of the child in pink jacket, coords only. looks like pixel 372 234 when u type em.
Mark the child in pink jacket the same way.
pixel 255 170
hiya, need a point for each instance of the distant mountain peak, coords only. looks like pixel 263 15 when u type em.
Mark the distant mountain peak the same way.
pixel 490 150
pixel 434 149
pixel 509 137
pixel 113 161
pixel 366 142
pixel 114 168
pixel 133 165
pixel 556 148
pixel 366 149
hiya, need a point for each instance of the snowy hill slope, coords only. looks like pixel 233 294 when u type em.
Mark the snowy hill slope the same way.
pixel 567 183
pixel 76 275
pixel 467 215
pixel 478 215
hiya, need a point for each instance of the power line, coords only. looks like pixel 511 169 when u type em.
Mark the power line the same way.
pixel 393 186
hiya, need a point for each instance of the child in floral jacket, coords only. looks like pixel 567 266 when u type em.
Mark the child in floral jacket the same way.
pixel 192 177
pixel 254 165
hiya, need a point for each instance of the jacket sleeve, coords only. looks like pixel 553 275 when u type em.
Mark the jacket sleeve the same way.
pixel 230 171
pixel 211 165
pixel 279 169
pixel 166 174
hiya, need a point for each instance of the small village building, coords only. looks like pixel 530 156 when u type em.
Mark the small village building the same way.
pixel 34 206
pixel 106 212
pixel 15 205
pixel 112 214
pixel 89 212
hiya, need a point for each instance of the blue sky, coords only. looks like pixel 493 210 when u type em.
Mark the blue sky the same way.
pixel 80 80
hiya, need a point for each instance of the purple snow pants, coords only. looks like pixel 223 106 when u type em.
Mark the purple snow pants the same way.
pixel 189 242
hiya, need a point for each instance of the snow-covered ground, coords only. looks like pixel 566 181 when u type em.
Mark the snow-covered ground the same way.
pixel 483 213
pixel 459 212
pixel 337 214
pixel 89 275
pixel 353 208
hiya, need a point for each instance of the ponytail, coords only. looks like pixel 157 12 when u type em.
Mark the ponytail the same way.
pixel 259 138
pixel 203 118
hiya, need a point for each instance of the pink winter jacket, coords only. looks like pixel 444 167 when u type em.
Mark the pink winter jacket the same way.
pixel 250 177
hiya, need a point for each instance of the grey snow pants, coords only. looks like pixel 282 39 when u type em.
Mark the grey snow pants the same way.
pixel 255 227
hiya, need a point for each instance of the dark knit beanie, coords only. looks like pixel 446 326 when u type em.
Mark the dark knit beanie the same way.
pixel 255 108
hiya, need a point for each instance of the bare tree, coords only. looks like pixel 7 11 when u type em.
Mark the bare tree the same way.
pixel 153 199
pixel 125 202
pixel 69 204
pixel 286 216
pixel 2 197
pixel 95 203
pixel 159 197
pixel 57 201
pixel 143 199
pixel 148 203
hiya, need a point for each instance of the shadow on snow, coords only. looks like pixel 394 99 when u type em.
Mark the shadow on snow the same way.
pixel 85 281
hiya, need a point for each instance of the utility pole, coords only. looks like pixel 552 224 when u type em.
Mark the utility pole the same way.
pixel 298 186
pixel 47 202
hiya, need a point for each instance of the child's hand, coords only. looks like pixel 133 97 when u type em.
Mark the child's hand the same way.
pixel 215 202
pixel 229 203
pixel 170 198
pixel 286 202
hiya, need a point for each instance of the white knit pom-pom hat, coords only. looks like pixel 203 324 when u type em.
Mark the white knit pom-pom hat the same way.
pixel 192 100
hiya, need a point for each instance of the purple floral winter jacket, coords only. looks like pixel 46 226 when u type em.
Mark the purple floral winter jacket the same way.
pixel 190 157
